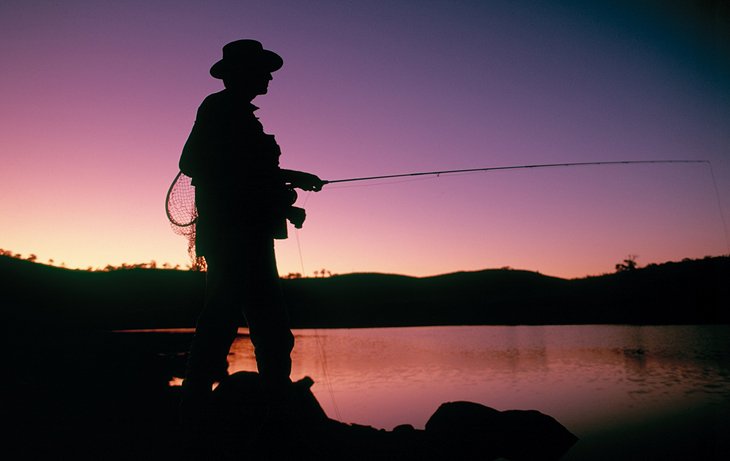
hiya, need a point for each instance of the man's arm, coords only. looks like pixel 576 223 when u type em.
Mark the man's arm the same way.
pixel 191 160
pixel 200 154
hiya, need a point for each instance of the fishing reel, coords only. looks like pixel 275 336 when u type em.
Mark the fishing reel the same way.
pixel 293 214
pixel 296 216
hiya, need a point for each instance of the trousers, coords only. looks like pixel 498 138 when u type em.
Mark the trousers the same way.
pixel 242 284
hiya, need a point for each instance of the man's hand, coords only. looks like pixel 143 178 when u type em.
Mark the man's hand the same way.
pixel 303 181
pixel 310 182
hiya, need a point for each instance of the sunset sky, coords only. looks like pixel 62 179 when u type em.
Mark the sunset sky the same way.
pixel 98 98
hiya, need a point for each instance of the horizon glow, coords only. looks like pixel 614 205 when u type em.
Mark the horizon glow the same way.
pixel 98 99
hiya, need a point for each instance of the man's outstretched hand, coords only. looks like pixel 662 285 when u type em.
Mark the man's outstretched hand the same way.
pixel 303 181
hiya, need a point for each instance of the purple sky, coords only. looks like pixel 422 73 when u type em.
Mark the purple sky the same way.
pixel 99 97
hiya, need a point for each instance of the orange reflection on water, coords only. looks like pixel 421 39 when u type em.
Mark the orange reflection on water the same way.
pixel 584 376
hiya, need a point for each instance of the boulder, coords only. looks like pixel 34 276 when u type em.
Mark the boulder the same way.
pixel 241 426
pixel 466 430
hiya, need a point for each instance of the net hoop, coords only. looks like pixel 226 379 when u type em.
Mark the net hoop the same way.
pixel 180 202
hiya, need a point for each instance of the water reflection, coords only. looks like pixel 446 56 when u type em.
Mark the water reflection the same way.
pixel 582 375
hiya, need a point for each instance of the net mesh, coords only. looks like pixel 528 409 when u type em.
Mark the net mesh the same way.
pixel 183 215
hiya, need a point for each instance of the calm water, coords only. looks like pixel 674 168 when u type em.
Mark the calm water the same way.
pixel 593 379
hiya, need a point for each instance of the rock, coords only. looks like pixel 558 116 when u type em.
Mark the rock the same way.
pixel 240 427
pixel 467 430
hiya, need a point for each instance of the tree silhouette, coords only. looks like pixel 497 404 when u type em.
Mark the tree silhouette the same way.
pixel 628 264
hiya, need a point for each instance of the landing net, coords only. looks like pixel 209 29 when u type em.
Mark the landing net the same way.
pixel 183 215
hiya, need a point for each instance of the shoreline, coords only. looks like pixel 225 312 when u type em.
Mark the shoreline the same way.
pixel 105 391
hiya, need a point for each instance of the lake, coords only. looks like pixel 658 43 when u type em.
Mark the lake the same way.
pixel 621 389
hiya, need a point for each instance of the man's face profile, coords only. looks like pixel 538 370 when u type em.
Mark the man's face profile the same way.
pixel 252 81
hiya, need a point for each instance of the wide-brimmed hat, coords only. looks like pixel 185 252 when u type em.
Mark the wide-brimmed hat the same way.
pixel 246 54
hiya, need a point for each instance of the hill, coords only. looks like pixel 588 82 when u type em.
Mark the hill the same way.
pixel 686 292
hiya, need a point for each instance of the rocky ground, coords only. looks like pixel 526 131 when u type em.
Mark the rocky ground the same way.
pixel 106 396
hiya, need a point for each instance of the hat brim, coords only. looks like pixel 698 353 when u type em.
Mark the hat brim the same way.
pixel 266 60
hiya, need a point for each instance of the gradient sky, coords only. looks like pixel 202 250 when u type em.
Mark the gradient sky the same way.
pixel 98 98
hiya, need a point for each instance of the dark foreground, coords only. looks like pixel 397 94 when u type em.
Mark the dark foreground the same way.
pixel 105 396
pixel 457 430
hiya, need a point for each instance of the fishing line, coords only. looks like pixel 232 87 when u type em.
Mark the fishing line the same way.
pixel 299 248
pixel 320 346
pixel 719 206
pixel 412 177
pixel 327 380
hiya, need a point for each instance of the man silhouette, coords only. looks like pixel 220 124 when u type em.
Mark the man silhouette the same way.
pixel 243 200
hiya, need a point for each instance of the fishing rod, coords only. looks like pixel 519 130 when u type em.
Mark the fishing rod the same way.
pixel 182 213
pixel 549 165
pixel 511 167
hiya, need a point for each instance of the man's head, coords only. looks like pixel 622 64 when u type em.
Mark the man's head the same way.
pixel 246 66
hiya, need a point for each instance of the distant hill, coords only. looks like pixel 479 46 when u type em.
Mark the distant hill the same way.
pixel 687 292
